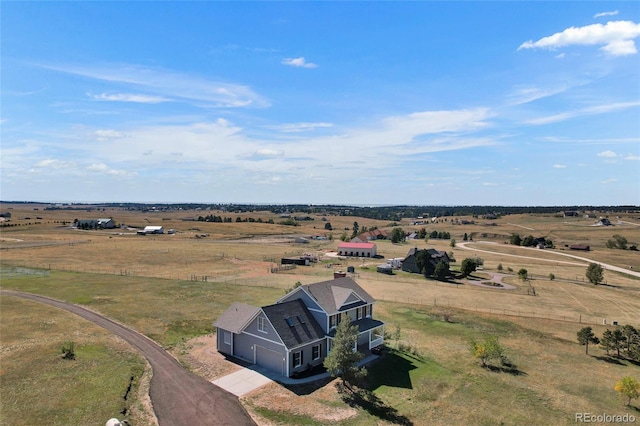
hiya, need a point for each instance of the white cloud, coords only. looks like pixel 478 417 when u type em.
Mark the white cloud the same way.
pixel 301 127
pixel 632 157
pixel 616 36
pixel 268 152
pixel 608 181
pixel 106 134
pixel 129 97
pixel 168 84
pixel 598 109
pixel 601 14
pixel 607 154
pixel 51 163
pixel 298 62
pixel 559 166
pixel 102 168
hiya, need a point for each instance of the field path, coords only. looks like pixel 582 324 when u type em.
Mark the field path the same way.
pixel 179 397
pixel 604 265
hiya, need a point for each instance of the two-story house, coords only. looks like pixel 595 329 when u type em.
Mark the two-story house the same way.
pixel 296 332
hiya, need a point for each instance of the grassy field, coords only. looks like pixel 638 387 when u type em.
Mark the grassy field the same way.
pixel 37 386
pixel 172 287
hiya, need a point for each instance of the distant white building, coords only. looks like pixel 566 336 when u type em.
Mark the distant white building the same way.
pixel 152 230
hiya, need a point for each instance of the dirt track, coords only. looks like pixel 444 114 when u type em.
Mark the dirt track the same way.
pixel 179 397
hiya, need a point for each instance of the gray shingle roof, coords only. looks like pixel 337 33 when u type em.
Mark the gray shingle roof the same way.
pixel 331 295
pixel 236 317
pixel 294 323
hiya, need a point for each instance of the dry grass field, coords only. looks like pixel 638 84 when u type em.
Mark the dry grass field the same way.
pixel 172 287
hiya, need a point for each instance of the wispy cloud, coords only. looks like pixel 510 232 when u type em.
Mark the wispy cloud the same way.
pixel 607 141
pixel 608 181
pixel 524 95
pixel 106 134
pixel 102 168
pixel 601 14
pixel 129 97
pixel 165 84
pixel 616 36
pixel 300 127
pixel 559 166
pixel 607 154
pixel 632 157
pixel 298 62
pixel 598 109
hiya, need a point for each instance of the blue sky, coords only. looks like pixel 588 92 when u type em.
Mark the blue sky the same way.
pixel 434 103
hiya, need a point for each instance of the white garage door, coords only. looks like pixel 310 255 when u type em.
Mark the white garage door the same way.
pixel 269 359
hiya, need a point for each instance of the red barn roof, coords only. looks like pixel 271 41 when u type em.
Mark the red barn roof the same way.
pixel 357 245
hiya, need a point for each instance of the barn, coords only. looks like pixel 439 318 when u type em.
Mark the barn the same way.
pixel 357 249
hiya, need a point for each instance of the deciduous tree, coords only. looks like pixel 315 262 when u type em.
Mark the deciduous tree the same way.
pixel 468 266
pixel 595 273
pixel 487 350
pixel 523 274
pixel 628 387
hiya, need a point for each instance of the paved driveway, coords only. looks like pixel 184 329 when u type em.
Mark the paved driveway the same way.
pixel 242 381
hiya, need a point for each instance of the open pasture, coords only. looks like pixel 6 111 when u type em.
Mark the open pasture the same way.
pixel 243 253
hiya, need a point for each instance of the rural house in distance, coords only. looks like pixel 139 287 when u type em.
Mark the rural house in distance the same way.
pixel 295 333
pixel 409 263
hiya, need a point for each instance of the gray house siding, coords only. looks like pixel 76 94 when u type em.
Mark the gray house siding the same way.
pixel 222 346
pixel 307 356
pixel 269 332
pixel 409 265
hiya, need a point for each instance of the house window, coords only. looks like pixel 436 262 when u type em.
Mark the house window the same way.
pixel 226 336
pixel 359 312
pixel 262 324
pixel 297 359
pixel 315 352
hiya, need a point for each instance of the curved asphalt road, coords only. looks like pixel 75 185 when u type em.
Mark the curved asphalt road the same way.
pixel 179 397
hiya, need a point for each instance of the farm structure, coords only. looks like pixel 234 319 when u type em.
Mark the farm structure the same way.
pixel 295 334
pixel 151 230
pixel 357 249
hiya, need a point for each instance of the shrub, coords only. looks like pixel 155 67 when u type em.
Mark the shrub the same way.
pixel 68 350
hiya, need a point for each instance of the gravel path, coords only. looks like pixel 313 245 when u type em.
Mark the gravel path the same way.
pixel 179 397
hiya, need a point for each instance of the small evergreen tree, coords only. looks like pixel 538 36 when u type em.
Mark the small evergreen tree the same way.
pixel 586 336
pixel 343 359
pixel 441 271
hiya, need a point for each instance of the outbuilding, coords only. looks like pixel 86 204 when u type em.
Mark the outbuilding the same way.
pixel 357 249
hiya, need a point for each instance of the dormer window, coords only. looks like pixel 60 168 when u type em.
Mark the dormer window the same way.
pixel 262 324
pixel 289 321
